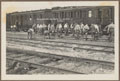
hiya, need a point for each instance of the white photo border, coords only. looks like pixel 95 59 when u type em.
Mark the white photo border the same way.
pixel 114 76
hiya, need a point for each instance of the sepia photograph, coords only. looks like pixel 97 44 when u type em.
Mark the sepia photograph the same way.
pixel 60 40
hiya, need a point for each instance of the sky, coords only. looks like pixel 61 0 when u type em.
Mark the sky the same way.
pixel 26 6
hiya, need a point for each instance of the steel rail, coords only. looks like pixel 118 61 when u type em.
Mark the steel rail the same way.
pixel 89 49
pixel 34 53
pixel 34 64
pixel 63 42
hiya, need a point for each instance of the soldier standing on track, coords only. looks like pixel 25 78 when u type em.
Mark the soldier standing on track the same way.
pixel 30 32
pixel 77 30
pixel 59 29
pixel 82 28
pixel 34 26
pixel 40 29
pixel 110 31
pixel 97 31
pixel 37 28
pixel 72 29
pixel 49 30
pixel 94 31
pixel 85 30
pixel 14 28
pixel 66 29
pixel 53 29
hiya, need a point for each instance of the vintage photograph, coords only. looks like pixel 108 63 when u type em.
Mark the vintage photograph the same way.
pixel 60 38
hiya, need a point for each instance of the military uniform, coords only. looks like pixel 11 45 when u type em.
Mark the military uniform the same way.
pixel 30 32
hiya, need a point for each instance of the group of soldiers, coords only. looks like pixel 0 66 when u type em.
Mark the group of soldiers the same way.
pixel 77 30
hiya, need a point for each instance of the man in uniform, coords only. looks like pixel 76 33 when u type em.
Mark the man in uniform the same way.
pixel 30 32
pixel 66 28
pixel 110 31
pixel 85 30
pixel 94 31
pixel 77 30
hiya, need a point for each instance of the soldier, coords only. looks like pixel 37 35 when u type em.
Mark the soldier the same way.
pixel 41 29
pixel 59 29
pixel 82 28
pixel 77 30
pixel 44 28
pixel 30 32
pixel 71 27
pixel 110 31
pixel 37 28
pixel 14 28
pixel 94 31
pixel 11 27
pixel 53 29
pixel 85 30
pixel 49 28
pixel 34 26
pixel 66 28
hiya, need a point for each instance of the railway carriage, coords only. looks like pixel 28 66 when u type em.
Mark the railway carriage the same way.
pixel 101 15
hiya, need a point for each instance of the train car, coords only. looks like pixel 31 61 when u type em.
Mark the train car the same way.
pixel 25 20
pixel 101 15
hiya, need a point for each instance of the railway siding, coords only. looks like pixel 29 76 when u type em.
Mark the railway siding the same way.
pixel 100 56
pixel 73 65
pixel 35 68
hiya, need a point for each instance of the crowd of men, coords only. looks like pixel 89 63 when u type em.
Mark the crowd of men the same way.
pixel 77 30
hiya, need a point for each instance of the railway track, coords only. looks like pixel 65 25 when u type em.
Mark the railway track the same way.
pixel 48 40
pixel 17 51
pixel 52 62
pixel 70 65
pixel 52 69
pixel 75 46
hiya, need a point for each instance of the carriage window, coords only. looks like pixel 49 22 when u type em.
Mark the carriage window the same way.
pixel 74 14
pixel 80 14
pixel 56 15
pixel 65 14
pixel 71 14
pixel 89 13
pixel 99 13
pixel 61 14
pixel 40 15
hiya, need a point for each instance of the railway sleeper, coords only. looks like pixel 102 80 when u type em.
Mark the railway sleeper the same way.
pixel 31 66
pixel 55 57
